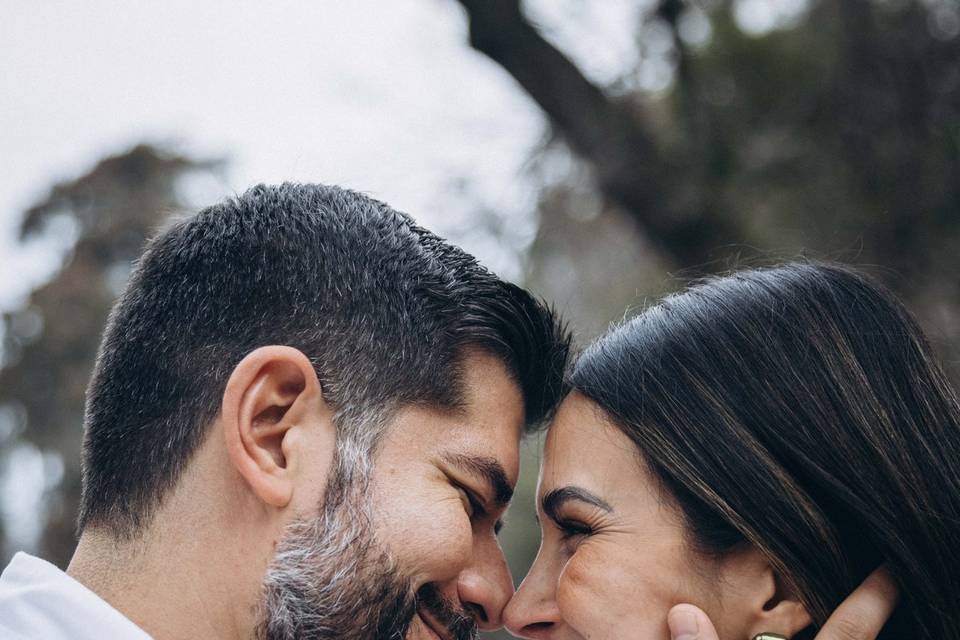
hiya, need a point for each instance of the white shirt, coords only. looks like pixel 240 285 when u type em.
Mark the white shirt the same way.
pixel 39 601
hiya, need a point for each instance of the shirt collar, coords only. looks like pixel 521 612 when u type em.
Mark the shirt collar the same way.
pixel 34 592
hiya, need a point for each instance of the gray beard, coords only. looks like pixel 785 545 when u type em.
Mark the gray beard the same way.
pixel 331 578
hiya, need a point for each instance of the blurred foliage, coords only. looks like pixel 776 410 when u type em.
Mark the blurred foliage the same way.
pixel 834 133
pixel 50 345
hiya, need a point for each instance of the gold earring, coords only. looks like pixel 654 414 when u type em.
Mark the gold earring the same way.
pixel 769 636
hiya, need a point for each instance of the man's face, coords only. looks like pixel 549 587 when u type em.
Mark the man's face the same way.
pixel 413 553
pixel 441 484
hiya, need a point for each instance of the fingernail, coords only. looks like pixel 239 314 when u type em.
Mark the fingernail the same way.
pixel 683 625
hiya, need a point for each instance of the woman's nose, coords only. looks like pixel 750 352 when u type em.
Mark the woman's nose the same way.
pixel 533 612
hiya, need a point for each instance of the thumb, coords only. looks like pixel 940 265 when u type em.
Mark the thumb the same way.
pixel 687 622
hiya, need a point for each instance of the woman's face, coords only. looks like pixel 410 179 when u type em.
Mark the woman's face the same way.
pixel 613 558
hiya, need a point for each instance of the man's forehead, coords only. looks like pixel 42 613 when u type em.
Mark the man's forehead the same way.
pixel 493 409
pixel 480 440
pixel 486 444
pixel 489 386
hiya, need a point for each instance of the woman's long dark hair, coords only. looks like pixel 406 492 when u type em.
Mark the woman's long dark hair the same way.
pixel 798 409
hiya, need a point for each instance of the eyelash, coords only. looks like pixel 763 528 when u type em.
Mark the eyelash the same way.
pixel 475 505
pixel 477 511
pixel 571 529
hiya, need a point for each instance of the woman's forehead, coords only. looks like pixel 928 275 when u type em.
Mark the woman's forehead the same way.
pixel 586 449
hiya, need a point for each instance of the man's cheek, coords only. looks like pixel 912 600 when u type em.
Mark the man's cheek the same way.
pixel 437 545
pixel 434 544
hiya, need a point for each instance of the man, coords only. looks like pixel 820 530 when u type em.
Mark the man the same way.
pixel 303 423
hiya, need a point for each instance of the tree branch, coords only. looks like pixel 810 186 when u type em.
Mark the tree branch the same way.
pixel 602 130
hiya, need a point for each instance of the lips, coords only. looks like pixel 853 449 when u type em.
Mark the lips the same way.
pixel 433 628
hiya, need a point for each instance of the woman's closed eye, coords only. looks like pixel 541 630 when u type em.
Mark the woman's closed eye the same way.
pixel 573 528
pixel 572 532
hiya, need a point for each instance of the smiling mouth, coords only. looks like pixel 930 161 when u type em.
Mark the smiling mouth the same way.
pixel 435 629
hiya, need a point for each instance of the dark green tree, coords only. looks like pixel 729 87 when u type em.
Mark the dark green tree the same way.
pixel 50 345
pixel 837 134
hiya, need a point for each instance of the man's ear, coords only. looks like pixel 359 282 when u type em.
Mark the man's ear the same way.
pixel 271 400
pixel 767 603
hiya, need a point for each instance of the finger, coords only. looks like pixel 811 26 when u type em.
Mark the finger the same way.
pixel 687 622
pixel 862 615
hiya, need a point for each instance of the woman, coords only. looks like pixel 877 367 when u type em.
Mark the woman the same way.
pixel 793 432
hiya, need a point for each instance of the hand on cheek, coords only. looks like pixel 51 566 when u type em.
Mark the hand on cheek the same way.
pixel 687 622
pixel 860 617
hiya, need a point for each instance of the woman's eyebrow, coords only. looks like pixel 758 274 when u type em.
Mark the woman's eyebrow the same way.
pixel 553 500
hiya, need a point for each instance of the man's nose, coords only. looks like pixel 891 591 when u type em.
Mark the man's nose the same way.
pixel 486 586
pixel 533 612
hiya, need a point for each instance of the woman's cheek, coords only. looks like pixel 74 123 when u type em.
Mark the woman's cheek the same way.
pixel 583 596
pixel 603 599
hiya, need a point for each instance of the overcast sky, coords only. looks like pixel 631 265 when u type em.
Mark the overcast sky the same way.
pixel 384 96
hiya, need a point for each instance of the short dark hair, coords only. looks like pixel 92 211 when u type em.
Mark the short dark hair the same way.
pixel 384 309
pixel 799 409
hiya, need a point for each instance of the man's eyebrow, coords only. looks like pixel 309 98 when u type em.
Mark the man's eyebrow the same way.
pixel 487 469
pixel 552 501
